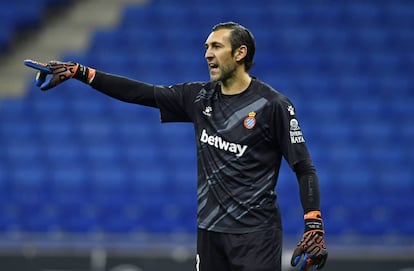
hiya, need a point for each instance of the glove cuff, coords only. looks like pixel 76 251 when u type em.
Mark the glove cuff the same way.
pixel 84 74
pixel 313 221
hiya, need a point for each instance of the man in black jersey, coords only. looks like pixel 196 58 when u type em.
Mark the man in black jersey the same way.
pixel 243 128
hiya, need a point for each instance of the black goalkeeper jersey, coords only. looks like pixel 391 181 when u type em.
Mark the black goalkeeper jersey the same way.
pixel 241 140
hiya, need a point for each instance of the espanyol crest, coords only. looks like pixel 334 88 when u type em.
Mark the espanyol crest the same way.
pixel 250 121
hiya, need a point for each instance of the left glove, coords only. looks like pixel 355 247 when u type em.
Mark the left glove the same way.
pixel 312 245
pixel 56 72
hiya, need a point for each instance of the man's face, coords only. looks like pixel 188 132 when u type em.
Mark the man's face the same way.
pixel 220 60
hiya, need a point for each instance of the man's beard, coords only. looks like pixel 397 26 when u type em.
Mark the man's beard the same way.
pixel 226 73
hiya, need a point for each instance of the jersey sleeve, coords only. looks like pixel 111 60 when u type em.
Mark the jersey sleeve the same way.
pixel 176 103
pixel 290 138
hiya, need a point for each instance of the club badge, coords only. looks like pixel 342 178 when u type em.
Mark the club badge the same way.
pixel 250 121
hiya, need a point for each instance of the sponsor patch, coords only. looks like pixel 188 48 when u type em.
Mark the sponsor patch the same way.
pixel 296 135
pixel 221 144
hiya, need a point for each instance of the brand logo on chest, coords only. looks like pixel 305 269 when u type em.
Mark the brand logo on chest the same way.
pixel 207 111
pixel 219 143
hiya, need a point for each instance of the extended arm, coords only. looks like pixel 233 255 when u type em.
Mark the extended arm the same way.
pixel 55 72
pixel 124 89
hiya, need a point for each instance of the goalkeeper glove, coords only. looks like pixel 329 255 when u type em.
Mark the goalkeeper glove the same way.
pixel 312 246
pixel 55 72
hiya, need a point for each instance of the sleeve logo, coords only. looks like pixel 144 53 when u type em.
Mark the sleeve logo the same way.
pixel 291 110
pixel 296 135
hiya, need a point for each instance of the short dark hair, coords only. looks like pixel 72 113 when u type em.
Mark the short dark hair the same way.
pixel 239 36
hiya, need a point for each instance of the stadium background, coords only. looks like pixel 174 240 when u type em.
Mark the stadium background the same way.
pixel 90 183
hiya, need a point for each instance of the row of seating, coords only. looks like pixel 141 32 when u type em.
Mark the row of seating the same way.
pixel 112 167
pixel 22 15
pixel 157 213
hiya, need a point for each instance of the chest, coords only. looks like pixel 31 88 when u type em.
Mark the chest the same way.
pixel 236 122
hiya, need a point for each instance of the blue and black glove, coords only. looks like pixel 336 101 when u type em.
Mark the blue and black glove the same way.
pixel 312 245
pixel 55 72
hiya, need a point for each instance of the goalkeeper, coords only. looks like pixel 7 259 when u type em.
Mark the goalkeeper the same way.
pixel 243 129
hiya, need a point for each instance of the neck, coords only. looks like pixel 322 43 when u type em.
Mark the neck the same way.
pixel 236 84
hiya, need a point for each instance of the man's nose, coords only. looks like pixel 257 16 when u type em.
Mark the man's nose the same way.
pixel 208 54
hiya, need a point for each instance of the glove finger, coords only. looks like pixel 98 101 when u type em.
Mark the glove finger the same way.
pixel 37 65
pixel 47 84
pixel 322 262
pixel 306 263
pixel 40 78
pixel 296 256
pixel 296 260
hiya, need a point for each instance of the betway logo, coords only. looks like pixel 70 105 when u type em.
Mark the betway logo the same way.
pixel 220 143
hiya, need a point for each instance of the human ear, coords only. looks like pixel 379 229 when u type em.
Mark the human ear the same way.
pixel 241 52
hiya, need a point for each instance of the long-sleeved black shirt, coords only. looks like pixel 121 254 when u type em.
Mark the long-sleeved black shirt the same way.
pixel 241 140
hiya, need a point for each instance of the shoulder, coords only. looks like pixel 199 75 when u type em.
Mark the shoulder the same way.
pixel 194 86
pixel 272 95
pixel 200 90
pixel 185 90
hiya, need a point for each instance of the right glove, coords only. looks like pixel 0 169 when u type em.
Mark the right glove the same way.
pixel 55 72
pixel 312 245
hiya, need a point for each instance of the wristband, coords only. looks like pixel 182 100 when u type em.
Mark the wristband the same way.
pixel 84 74
pixel 313 221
